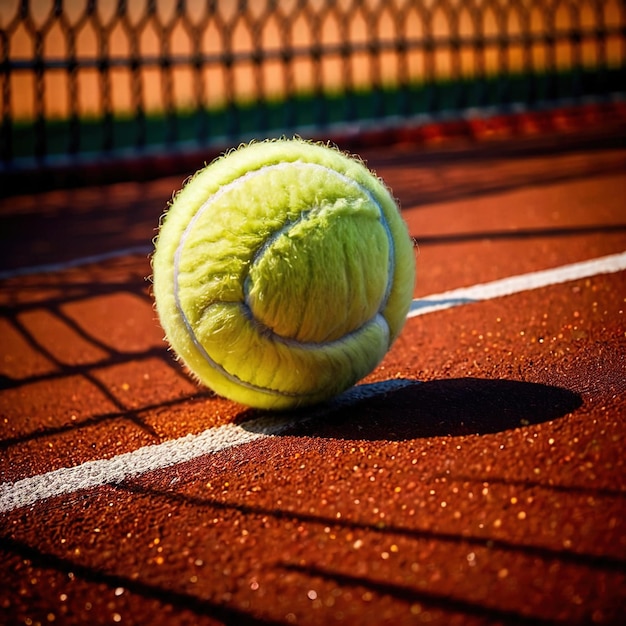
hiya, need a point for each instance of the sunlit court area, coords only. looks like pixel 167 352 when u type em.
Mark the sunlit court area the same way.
pixel 474 474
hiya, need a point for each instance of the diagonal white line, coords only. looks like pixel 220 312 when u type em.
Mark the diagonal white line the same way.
pixel 48 268
pixel 66 480
pixel 516 284
pixel 28 491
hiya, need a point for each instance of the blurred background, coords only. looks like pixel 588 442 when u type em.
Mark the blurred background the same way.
pixel 92 89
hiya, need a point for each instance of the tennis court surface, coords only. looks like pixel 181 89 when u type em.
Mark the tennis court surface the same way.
pixel 475 477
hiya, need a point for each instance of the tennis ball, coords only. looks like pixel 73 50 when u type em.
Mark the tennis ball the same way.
pixel 282 273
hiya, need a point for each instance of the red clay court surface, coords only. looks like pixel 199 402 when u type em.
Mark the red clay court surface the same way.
pixel 477 476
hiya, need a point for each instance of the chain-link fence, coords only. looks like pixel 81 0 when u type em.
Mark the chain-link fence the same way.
pixel 80 79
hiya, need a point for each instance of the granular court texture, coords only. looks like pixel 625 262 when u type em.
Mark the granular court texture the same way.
pixel 475 477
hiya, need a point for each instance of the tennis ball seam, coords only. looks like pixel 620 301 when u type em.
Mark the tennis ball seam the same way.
pixel 289 224
pixel 377 319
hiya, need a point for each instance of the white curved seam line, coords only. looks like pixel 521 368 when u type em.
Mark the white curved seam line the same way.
pixel 377 319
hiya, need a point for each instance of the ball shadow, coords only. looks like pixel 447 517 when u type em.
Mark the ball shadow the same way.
pixel 454 407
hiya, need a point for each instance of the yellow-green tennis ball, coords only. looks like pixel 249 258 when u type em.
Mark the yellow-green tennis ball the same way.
pixel 283 272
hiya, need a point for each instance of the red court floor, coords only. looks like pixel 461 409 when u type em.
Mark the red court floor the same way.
pixel 477 477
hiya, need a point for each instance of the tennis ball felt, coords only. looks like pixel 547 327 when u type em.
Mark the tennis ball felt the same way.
pixel 282 273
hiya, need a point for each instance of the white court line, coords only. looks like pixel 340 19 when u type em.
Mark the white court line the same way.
pixel 516 284
pixel 28 491
pixel 49 268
